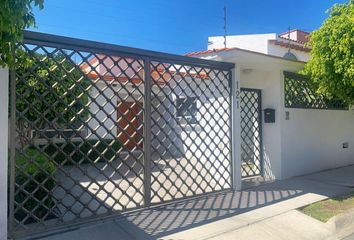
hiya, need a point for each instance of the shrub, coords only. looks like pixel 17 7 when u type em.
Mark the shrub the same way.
pixel 33 169
pixel 34 173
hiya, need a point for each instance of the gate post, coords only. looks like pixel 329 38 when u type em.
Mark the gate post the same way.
pixel 4 126
pixel 236 128
pixel 147 132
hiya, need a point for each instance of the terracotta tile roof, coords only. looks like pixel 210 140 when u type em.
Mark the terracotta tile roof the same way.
pixel 292 46
pixel 208 51
pixel 293 30
pixel 292 40
pixel 302 36
pixel 112 68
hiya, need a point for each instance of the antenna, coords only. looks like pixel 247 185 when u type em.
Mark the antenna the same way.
pixel 225 25
pixel 289 40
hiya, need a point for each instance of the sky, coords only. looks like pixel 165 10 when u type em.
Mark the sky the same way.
pixel 175 26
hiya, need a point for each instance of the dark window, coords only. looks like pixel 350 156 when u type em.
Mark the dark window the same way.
pixel 290 55
pixel 187 109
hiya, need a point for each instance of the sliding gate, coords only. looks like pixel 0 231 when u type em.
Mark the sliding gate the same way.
pixel 100 129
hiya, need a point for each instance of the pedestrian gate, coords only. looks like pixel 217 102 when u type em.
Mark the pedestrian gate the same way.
pixel 251 132
pixel 100 129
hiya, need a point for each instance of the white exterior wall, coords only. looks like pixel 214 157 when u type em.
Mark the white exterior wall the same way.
pixel 208 139
pixel 269 83
pixel 312 140
pixel 253 42
pixel 281 51
pixel 106 117
pixel 257 43
pixel 165 129
pixel 4 126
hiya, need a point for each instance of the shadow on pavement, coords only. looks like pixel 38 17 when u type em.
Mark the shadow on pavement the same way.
pixel 157 222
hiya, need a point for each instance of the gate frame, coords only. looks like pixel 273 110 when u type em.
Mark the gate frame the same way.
pixel 4 154
pixel 260 122
pixel 147 56
pixel 236 149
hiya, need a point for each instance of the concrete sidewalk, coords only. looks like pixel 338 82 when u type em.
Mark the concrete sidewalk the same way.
pixel 263 212
pixel 289 225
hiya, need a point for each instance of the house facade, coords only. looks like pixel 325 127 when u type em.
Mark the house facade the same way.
pixel 182 115
pixel 301 139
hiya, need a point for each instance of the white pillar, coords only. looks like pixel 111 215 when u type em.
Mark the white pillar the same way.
pixel 236 129
pixel 4 102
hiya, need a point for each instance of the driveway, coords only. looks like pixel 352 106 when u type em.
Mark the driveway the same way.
pixel 118 185
pixel 229 215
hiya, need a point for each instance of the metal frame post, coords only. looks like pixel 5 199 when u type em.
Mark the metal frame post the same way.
pixel 236 129
pixel 12 147
pixel 260 117
pixel 147 132
pixel 4 103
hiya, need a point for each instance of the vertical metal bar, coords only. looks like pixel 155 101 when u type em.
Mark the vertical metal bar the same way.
pixel 4 153
pixel 231 127
pixel 12 162
pixel 236 129
pixel 147 132
pixel 260 122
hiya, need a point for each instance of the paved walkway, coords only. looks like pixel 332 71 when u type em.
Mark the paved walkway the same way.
pixel 263 212
pixel 289 225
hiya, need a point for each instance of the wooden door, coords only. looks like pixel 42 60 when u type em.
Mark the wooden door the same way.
pixel 130 126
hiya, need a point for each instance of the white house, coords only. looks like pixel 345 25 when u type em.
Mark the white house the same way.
pixel 177 103
pixel 291 44
pixel 300 141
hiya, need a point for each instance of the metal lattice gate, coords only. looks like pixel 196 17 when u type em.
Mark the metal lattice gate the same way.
pixel 251 132
pixel 100 129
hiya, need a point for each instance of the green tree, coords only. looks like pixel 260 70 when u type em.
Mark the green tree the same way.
pixel 53 91
pixel 332 65
pixel 15 16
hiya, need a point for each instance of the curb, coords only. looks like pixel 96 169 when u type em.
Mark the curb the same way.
pixel 343 224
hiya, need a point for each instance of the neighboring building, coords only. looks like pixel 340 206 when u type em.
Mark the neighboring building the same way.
pixel 291 44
